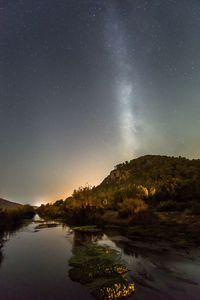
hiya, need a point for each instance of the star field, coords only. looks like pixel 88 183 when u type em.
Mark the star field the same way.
pixel 87 84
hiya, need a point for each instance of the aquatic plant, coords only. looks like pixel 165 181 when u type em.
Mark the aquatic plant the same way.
pixel 100 269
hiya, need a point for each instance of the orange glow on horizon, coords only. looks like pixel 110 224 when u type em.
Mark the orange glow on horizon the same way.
pixel 93 180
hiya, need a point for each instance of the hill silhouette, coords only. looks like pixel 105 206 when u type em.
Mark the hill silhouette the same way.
pixel 157 179
pixel 6 204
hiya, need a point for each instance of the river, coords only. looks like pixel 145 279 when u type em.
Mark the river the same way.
pixel 34 265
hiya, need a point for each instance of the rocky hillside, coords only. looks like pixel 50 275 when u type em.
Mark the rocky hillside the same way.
pixel 152 169
pixel 156 178
pixel 139 188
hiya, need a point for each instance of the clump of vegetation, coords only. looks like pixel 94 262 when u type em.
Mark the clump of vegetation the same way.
pixel 46 225
pixel 115 288
pixel 130 207
pixel 87 229
pixel 10 218
pixel 99 268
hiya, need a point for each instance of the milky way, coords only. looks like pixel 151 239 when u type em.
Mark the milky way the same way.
pixel 85 85
pixel 116 41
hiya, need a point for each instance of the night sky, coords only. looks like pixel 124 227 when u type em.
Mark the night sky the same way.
pixel 87 84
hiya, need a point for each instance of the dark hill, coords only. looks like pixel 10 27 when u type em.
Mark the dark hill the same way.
pixel 156 178
pixel 5 204
pixel 153 169
pixel 135 189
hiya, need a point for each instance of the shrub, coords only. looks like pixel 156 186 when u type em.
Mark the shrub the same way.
pixel 130 207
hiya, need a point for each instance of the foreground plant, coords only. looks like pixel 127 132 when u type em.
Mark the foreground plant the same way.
pixel 99 268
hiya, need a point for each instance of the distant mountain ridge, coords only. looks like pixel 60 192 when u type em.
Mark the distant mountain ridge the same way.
pixel 6 204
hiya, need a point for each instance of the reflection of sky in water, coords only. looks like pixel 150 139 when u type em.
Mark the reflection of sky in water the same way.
pixel 36 266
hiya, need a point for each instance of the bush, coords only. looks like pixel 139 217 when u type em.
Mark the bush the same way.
pixel 130 207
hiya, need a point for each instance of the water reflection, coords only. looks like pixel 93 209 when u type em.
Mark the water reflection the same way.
pixel 159 273
pixel 40 259
pixel 1 246
pixel 7 230
pixel 84 238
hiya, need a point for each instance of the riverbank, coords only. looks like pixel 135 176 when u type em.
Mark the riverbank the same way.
pixel 177 230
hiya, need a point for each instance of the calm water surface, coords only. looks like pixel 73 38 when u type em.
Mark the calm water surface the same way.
pixel 35 266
